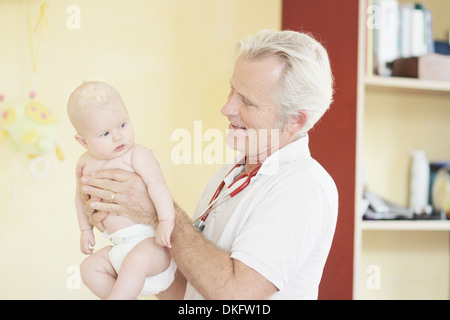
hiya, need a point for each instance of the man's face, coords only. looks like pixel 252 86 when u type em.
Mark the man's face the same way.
pixel 251 109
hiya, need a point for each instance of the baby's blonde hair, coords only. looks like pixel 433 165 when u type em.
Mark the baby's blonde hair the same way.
pixel 88 96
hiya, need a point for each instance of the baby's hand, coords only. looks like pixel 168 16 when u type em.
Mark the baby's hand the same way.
pixel 163 232
pixel 87 241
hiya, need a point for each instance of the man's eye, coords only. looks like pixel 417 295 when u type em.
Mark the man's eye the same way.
pixel 247 103
pixel 123 125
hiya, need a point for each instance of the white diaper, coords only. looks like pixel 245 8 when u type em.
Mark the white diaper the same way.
pixel 124 241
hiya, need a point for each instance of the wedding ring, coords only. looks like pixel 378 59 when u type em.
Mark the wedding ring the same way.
pixel 112 197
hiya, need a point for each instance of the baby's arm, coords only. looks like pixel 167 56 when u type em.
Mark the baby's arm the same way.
pixel 145 164
pixel 87 239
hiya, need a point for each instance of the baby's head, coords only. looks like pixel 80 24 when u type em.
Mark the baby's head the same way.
pixel 100 117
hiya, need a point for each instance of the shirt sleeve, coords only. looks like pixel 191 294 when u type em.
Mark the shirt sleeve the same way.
pixel 281 232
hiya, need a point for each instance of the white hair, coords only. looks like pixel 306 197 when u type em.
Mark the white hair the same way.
pixel 306 82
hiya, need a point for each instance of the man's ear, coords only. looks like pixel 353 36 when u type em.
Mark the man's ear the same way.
pixel 81 140
pixel 298 121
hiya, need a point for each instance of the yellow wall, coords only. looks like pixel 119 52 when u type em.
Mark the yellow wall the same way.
pixel 170 59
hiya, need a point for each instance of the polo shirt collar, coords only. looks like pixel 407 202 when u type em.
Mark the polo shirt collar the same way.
pixel 289 153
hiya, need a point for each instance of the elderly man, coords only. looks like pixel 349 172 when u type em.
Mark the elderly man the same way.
pixel 272 238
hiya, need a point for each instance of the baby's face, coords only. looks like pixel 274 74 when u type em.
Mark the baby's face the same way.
pixel 108 132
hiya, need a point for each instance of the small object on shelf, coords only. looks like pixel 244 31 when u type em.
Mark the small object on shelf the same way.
pixel 419 182
pixel 442 47
pixel 431 67
pixel 441 191
pixel 381 209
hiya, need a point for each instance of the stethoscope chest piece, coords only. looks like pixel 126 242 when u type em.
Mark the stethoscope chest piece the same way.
pixel 199 224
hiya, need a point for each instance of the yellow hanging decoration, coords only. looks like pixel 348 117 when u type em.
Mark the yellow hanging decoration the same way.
pixel 42 16
pixel 39 113
pixel 42 19
pixel 30 127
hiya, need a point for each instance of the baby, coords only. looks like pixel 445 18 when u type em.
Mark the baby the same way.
pixel 138 263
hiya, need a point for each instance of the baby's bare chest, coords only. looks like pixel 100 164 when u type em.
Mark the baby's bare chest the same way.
pixel 123 163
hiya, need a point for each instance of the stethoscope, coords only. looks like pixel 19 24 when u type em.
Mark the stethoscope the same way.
pixel 231 192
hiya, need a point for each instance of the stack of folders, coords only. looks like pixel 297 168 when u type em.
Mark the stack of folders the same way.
pixel 396 31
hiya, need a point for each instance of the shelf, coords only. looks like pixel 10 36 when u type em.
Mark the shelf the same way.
pixel 408 83
pixel 405 225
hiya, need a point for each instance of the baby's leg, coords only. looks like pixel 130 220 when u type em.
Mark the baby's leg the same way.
pixel 147 259
pixel 98 274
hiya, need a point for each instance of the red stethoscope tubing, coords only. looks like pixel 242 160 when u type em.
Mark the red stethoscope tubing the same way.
pixel 249 176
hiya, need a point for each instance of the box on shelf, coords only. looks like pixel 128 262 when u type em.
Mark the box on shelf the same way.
pixel 431 67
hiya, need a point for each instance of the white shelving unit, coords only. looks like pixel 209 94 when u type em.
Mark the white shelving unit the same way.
pixel 406 225
pixel 378 231
pixel 407 83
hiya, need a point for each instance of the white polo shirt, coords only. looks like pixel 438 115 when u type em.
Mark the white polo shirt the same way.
pixel 281 225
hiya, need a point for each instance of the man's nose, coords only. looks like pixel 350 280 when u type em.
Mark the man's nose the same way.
pixel 231 107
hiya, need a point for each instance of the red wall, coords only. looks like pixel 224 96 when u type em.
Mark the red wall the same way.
pixel 333 140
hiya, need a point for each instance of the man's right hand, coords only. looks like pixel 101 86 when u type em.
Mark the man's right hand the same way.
pixel 131 198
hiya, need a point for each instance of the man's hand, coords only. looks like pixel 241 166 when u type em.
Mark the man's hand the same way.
pixel 130 198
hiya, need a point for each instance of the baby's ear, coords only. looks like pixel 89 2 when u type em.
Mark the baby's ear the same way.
pixel 81 140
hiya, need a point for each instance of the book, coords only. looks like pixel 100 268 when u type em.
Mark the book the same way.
pixel 405 16
pixel 387 35
pixel 418 33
